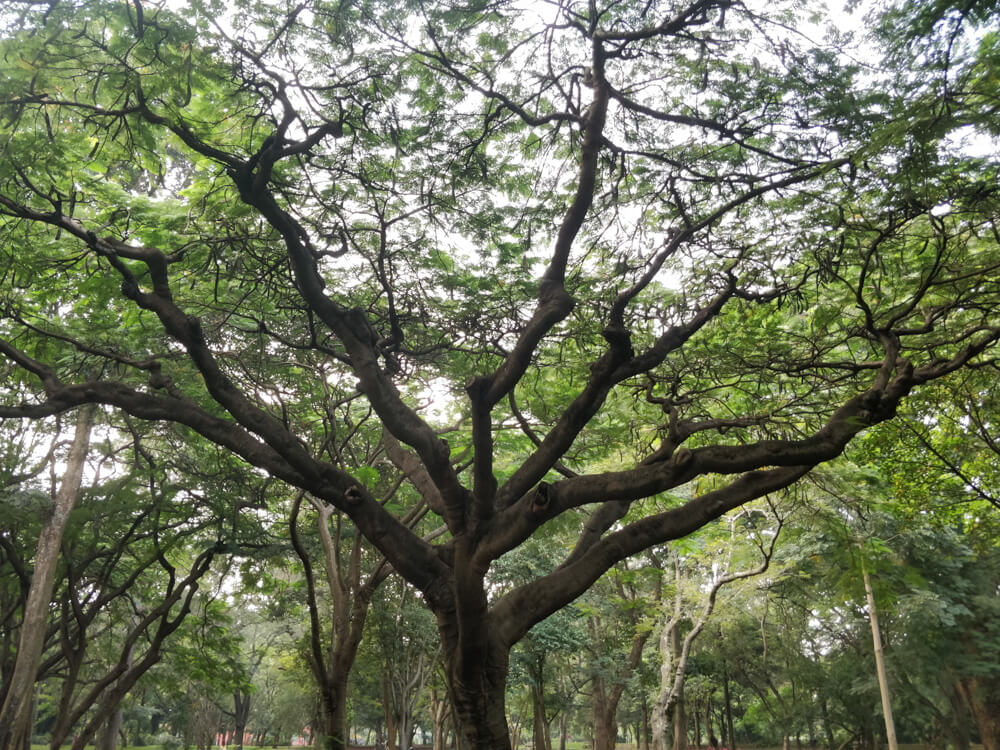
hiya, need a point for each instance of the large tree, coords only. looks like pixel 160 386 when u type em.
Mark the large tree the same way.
pixel 681 230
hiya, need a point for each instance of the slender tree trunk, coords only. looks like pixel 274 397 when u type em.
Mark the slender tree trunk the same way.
pixel 883 680
pixel 541 726
pixel 15 715
pixel 331 666
pixel 827 726
pixel 983 699
pixel 730 731
pixel 390 719
pixel 644 744
pixel 959 729
pixel 440 711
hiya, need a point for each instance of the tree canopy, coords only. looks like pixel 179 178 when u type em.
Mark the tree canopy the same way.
pixel 550 259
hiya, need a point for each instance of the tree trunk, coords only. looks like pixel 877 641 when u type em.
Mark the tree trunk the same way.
pixel 983 699
pixel 958 729
pixel 440 711
pixel 605 726
pixel 241 714
pixel 827 726
pixel 541 726
pixel 478 695
pixel 883 680
pixel 680 726
pixel 331 667
pixel 730 730
pixel 109 737
pixel 15 715
pixel 390 719
pixel 644 743
pixel 333 714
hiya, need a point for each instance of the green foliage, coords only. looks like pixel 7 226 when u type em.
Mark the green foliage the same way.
pixel 599 274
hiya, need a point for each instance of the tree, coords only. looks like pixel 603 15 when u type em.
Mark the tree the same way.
pixel 15 713
pixel 620 624
pixel 675 651
pixel 677 226
pixel 332 651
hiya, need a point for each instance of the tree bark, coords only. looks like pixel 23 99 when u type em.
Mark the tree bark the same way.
pixel 982 696
pixel 241 714
pixel 109 739
pixel 883 679
pixel 680 726
pixel 440 711
pixel 15 715
pixel 478 695
pixel 604 711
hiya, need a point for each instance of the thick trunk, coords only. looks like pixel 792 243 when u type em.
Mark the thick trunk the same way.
pixel 983 699
pixel 333 730
pixel 478 699
pixel 680 726
pixel 15 714
pixel 109 736
pixel 334 716
pixel 605 726
pixel 241 715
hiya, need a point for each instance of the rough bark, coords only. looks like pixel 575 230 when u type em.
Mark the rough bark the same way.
pixel 478 694
pixel 680 728
pixel 15 714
